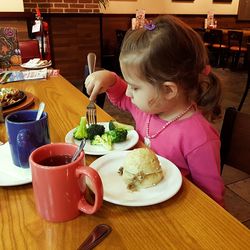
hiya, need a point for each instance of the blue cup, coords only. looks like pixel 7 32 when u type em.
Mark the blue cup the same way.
pixel 26 134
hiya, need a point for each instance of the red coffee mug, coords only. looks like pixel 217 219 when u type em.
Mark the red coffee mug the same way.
pixel 59 190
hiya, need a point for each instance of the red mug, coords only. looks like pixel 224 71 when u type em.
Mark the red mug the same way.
pixel 59 186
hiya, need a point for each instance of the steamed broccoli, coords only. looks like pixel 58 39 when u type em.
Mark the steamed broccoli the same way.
pixel 95 129
pixel 114 125
pixel 104 140
pixel 118 135
pixel 81 131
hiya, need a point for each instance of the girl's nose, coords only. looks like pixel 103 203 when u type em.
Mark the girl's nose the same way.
pixel 128 92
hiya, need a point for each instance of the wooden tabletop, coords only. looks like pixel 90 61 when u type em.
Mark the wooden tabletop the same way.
pixel 189 220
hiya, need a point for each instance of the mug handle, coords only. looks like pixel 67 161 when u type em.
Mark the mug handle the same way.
pixel 96 181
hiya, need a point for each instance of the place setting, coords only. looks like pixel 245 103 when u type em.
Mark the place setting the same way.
pixel 131 140
pixel 13 99
pixel 137 186
pixel 22 127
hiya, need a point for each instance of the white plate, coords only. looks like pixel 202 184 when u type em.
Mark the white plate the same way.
pixel 24 65
pixel 11 175
pixel 89 149
pixel 115 190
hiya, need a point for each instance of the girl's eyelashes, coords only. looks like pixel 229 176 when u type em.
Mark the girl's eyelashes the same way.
pixel 132 87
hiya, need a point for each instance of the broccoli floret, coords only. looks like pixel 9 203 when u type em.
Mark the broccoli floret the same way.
pixel 114 125
pixel 118 135
pixel 104 140
pixel 95 129
pixel 81 130
pixel 107 141
pixel 97 140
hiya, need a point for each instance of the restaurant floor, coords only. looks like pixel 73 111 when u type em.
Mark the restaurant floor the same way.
pixel 237 195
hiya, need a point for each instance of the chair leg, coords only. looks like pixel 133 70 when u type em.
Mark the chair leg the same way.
pixel 244 94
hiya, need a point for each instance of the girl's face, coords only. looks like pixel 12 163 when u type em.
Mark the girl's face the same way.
pixel 144 95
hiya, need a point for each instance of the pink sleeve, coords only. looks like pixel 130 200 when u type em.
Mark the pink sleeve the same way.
pixel 204 166
pixel 117 94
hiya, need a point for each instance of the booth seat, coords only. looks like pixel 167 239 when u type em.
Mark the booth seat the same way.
pixel 29 49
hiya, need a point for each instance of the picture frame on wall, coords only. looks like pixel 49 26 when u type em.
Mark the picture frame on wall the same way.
pixel 222 1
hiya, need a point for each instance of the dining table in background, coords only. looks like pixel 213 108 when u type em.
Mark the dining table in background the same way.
pixel 189 220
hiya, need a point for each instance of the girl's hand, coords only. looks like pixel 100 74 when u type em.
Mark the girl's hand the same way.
pixel 98 82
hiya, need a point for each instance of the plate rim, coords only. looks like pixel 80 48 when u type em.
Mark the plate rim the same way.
pixel 140 204
pixel 18 102
pixel 10 168
pixel 104 152
pixel 18 183
pixel 39 67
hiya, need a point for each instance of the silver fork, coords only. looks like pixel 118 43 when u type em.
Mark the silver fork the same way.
pixel 91 113
pixel 91 108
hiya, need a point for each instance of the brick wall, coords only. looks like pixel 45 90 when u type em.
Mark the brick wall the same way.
pixel 62 6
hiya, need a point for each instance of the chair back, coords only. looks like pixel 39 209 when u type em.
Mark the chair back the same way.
pixel 216 36
pixel 119 38
pixel 235 140
pixel 29 50
pixel 235 39
pixel 247 86
pixel 206 37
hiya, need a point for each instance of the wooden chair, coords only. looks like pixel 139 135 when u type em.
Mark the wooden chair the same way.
pixel 119 38
pixel 235 48
pixel 29 50
pixel 248 79
pixel 206 38
pixel 216 46
pixel 235 140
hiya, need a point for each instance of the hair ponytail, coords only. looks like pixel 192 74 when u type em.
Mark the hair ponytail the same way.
pixel 209 96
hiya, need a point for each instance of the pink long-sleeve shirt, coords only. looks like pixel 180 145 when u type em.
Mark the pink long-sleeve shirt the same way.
pixel 192 144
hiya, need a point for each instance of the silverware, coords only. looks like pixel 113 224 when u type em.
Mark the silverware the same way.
pixel 91 113
pixel 40 111
pixel 95 237
pixel 91 59
pixel 79 150
pixel 91 108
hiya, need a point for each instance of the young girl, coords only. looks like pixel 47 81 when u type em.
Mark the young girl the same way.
pixel 169 89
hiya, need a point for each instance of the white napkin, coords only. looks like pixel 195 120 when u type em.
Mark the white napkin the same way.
pixel 10 174
pixel 36 62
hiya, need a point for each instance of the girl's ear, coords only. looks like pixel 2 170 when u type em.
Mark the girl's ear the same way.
pixel 170 90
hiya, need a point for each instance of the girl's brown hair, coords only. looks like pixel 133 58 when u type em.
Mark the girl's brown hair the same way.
pixel 174 52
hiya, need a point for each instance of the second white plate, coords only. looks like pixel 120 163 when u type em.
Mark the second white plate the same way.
pixel 89 149
pixel 115 190
pixel 27 66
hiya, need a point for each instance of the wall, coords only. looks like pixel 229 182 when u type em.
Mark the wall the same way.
pixel 151 6
pixel 63 6
pixel 170 7
pixel 72 37
pixel 10 6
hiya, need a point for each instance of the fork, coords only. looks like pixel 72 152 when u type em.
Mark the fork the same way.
pixel 91 108
pixel 91 113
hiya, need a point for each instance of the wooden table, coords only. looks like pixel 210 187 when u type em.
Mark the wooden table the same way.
pixel 189 220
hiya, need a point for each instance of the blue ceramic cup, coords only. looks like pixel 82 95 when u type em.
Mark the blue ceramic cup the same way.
pixel 26 134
